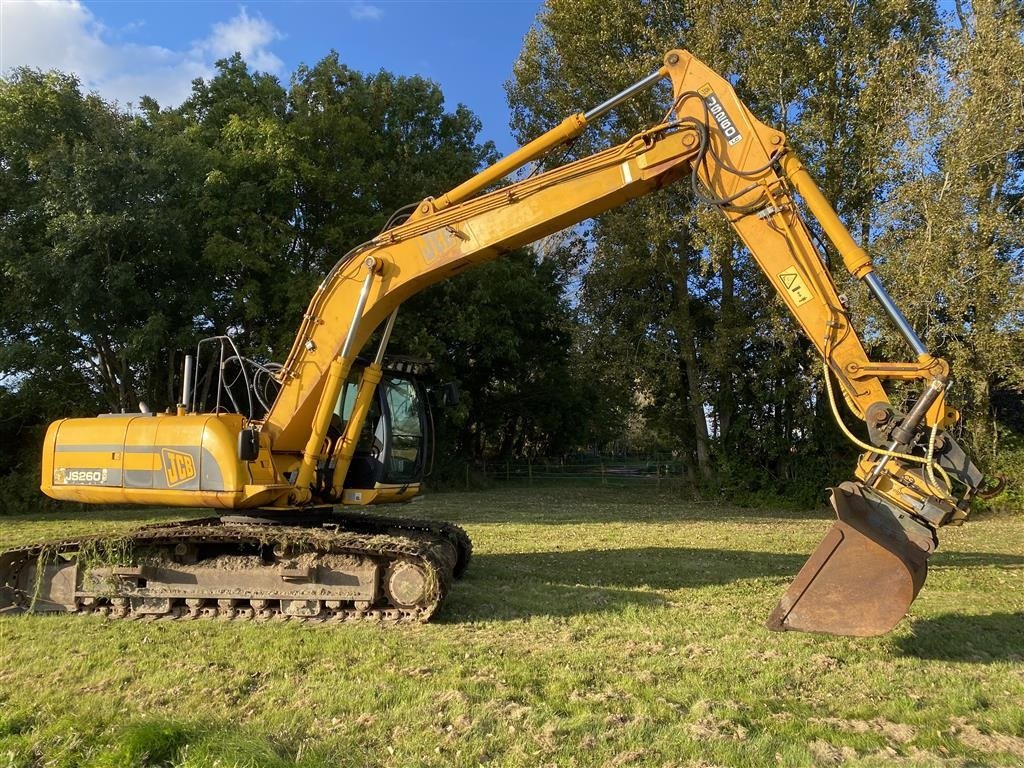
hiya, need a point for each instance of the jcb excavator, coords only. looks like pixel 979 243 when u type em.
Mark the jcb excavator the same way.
pixel 336 431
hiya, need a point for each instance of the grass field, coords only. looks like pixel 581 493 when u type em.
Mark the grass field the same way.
pixel 593 628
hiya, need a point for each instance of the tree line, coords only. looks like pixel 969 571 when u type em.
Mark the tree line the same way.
pixel 130 232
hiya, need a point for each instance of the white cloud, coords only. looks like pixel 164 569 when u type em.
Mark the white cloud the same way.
pixel 50 34
pixel 248 35
pixel 361 11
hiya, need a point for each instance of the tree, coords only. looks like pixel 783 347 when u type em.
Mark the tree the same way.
pixel 951 239
pixel 243 186
pixel 502 331
pixel 88 221
pixel 716 361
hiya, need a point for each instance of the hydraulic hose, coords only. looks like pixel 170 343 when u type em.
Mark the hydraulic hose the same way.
pixel 928 462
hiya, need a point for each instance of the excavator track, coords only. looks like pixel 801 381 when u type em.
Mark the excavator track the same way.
pixel 367 523
pixel 328 566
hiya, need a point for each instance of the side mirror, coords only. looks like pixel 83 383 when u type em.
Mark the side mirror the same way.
pixel 248 444
pixel 451 393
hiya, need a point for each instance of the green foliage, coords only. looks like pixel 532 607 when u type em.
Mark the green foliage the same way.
pixel 502 331
pixel 87 224
pixel 909 117
pixel 150 743
pixel 953 222
pixel 132 235
pixel 21 440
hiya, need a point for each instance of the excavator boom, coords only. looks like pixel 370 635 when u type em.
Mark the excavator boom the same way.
pixel 296 457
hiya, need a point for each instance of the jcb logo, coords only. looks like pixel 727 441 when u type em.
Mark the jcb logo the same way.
pixel 178 467
pixel 437 244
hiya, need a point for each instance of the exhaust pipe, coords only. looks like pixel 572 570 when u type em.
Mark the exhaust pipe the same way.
pixel 186 387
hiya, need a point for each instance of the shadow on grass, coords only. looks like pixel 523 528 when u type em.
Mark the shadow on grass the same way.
pixel 149 742
pixel 520 585
pixel 566 583
pixel 981 639
pixel 954 559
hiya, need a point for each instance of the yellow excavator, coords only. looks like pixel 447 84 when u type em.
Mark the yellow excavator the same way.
pixel 289 455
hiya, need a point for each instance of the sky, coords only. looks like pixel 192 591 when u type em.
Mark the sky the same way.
pixel 124 50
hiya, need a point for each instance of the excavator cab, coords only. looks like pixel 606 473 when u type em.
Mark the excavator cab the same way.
pixel 393 449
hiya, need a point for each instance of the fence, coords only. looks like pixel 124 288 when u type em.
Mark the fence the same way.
pixel 588 470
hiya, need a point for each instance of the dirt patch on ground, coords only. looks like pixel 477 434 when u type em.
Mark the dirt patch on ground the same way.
pixel 711 727
pixel 708 725
pixel 830 754
pixel 632 757
pixel 450 697
pixel 897 733
pixel 986 742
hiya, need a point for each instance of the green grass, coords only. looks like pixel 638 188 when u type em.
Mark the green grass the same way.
pixel 594 627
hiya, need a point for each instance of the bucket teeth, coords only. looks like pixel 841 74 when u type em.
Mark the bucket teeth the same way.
pixel 865 573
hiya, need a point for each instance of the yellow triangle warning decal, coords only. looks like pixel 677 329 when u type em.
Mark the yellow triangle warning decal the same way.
pixel 795 286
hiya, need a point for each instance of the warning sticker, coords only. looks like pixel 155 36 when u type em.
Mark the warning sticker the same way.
pixel 795 286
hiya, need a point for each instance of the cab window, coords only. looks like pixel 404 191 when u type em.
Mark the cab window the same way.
pixel 406 410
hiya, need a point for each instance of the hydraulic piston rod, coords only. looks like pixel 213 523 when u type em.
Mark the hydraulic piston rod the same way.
pixel 346 446
pixel 565 131
pixel 609 104
pixel 854 257
pixel 337 373
pixel 904 434
pixel 897 317
pixel 186 386
pixel 385 338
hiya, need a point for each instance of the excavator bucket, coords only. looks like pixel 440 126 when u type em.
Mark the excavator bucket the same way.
pixel 864 575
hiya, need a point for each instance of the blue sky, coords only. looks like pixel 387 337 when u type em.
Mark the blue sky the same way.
pixel 126 49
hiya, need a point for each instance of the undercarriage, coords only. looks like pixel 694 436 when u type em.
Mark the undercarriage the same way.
pixel 325 566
